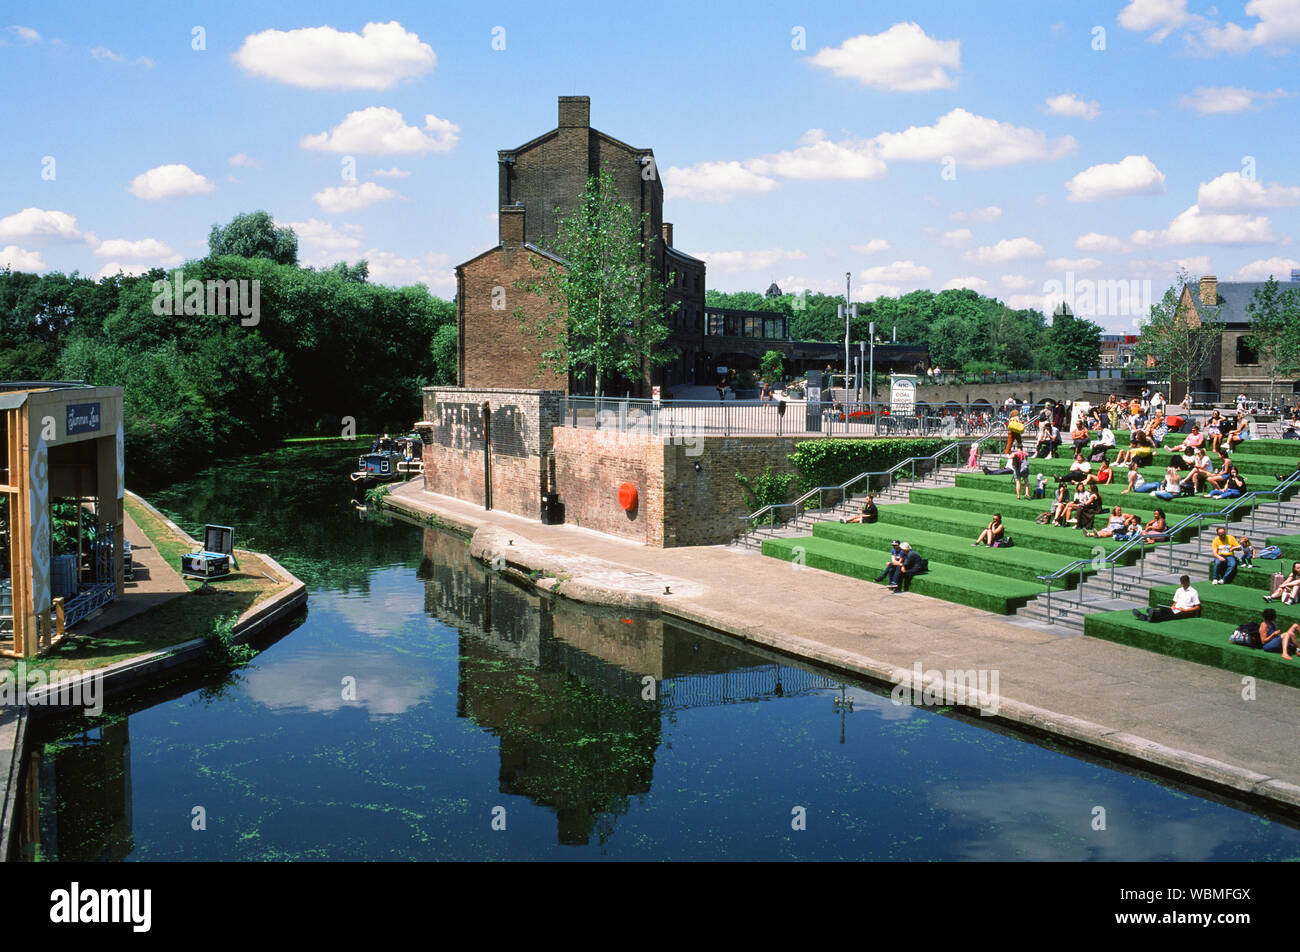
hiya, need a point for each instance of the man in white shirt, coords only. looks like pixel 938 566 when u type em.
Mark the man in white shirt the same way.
pixel 1187 604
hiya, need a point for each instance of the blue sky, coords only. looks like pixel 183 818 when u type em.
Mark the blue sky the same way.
pixel 999 146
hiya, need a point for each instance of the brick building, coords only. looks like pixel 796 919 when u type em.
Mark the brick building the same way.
pixel 539 184
pixel 1235 366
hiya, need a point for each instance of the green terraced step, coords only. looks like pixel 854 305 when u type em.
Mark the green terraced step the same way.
pixel 969 524
pixel 1258 470
pixel 1259 579
pixel 1141 504
pixel 981 590
pixel 1232 603
pixel 1202 640
pixel 1016 562
pixel 984 503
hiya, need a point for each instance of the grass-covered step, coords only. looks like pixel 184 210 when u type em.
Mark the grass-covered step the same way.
pixel 1282 450
pixel 1014 562
pixel 1258 577
pixel 993 593
pixel 1231 603
pixel 1142 504
pixel 969 524
pixel 987 502
pixel 1203 640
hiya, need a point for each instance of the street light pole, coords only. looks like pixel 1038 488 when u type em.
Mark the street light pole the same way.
pixel 848 278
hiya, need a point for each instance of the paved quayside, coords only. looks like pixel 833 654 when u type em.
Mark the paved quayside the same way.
pixel 1181 717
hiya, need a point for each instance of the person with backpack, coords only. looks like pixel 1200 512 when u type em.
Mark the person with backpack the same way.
pixel 1266 636
pixel 992 533
pixel 1186 604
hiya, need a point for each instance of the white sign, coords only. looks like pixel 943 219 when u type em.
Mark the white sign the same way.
pixel 814 394
pixel 902 394
pixel 654 395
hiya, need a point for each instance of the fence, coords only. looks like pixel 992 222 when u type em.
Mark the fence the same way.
pixel 678 418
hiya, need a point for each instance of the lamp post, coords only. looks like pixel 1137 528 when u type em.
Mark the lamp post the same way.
pixel 848 278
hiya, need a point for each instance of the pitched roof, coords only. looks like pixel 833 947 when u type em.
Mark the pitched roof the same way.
pixel 1234 298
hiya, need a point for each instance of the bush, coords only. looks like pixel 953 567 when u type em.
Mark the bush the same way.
pixel 830 462
pixel 767 489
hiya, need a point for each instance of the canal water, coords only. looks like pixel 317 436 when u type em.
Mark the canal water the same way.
pixel 425 708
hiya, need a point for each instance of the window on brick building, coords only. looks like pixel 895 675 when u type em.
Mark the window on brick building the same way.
pixel 1246 355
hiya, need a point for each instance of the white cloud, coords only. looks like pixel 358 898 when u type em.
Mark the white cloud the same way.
pixel 903 58
pixel 394 172
pixel 379 130
pixel 1233 192
pixel 241 160
pixel 731 262
pixel 1068 104
pixel 125 248
pixel 872 246
pixel 872 290
pixel 322 243
pixel 1265 268
pixel 169 181
pixel 987 214
pixel 819 158
pixel 1160 16
pixel 899 271
pixel 381 56
pixel 1278 24
pixel 19 259
pixel 27 35
pixel 1166 270
pixel 1008 249
pixel 957 239
pixel 1093 241
pixel 433 270
pixel 1133 175
pixel 974 140
pixel 38 223
pixel 131 269
pixel 104 54
pixel 1074 264
pixel 1016 282
pixel 714 181
pixel 349 198
pixel 975 284
pixel 1193 227
pixel 1024 302
pixel 1220 100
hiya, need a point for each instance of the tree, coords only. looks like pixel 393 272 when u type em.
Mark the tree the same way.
pixel 1072 343
pixel 1275 331
pixel 254 235
pixel 772 366
pixel 358 273
pixel 444 351
pixel 608 315
pixel 1175 339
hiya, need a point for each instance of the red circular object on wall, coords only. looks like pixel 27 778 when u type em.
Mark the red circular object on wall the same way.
pixel 627 496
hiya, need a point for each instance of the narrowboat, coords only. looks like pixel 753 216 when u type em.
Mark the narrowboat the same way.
pixel 390 458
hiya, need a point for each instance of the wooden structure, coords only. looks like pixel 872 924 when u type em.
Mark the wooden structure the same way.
pixel 64 441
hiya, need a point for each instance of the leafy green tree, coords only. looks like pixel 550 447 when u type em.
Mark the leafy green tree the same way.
pixel 772 366
pixel 1177 341
pixel 1072 343
pixel 608 316
pixel 254 235
pixel 445 353
pixel 1275 331
pixel 358 273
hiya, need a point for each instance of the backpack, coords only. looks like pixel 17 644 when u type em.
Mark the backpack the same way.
pixel 1270 552
pixel 1247 633
pixel 1004 543
pixel 1044 518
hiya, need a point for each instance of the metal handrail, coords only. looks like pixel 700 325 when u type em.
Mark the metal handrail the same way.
pixel 752 520
pixel 1112 559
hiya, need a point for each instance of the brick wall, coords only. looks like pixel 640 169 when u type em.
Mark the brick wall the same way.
pixel 521 426
pixel 590 465
pixel 495 351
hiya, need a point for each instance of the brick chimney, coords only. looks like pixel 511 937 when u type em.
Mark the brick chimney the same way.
pixel 510 221
pixel 1209 290
pixel 575 111
pixel 666 230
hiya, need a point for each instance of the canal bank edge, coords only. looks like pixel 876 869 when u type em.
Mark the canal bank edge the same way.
pixel 133 673
pixel 552 571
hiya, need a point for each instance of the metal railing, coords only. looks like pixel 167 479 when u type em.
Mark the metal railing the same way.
pixel 767 515
pixel 1198 518
pixel 685 418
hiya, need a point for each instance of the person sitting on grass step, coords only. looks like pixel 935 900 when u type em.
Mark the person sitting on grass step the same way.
pixel 992 532
pixel 903 568
pixel 1268 637
pixel 1140 449
pixel 1137 483
pixel 1187 604
pixel 1288 590
pixel 1226 551
pixel 1231 485
pixel 895 550
pixel 1157 529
